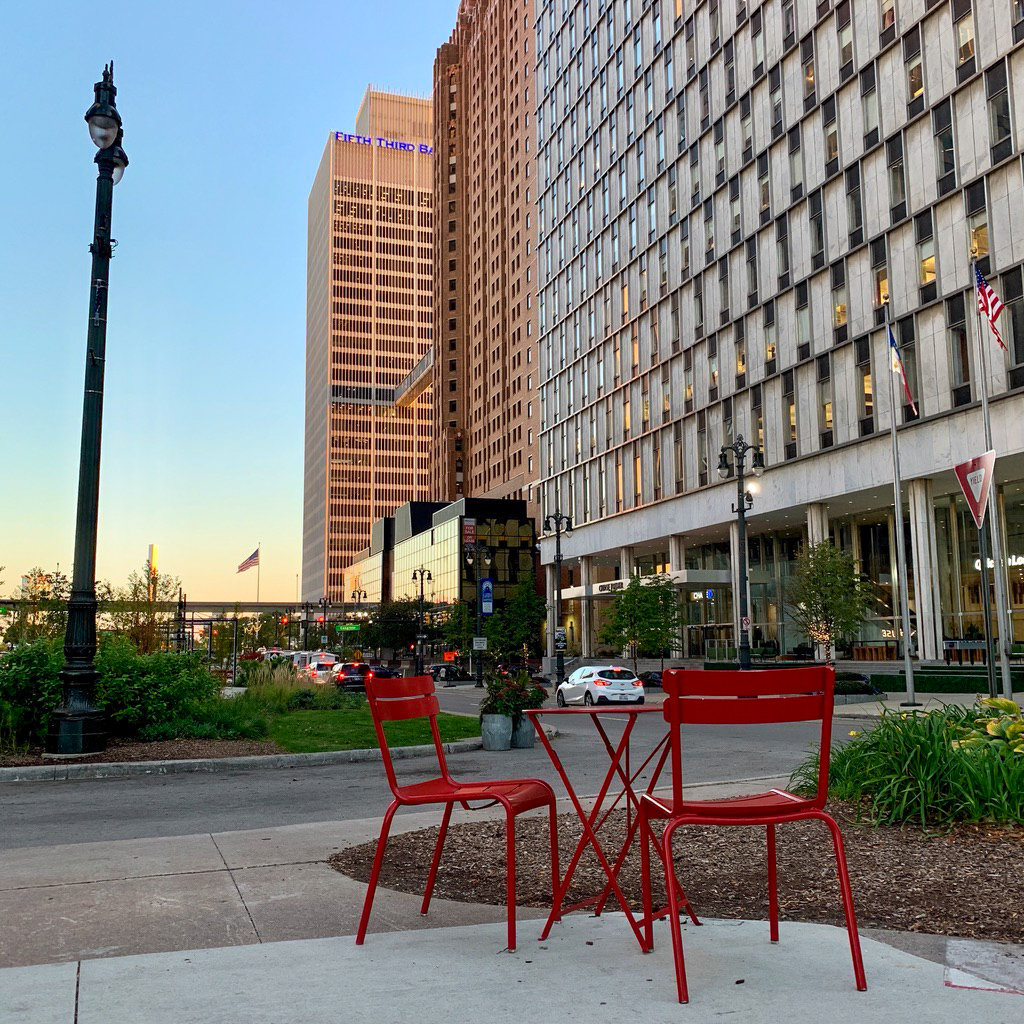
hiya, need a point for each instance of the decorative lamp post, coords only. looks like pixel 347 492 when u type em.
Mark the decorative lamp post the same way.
pixel 420 574
pixel 744 500
pixel 78 726
pixel 481 554
pixel 325 615
pixel 559 524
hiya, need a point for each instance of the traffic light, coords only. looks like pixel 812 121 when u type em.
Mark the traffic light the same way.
pixel 320 619
pixel 215 632
pixel 284 620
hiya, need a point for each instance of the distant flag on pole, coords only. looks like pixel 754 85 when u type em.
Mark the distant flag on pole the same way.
pixel 989 304
pixel 897 367
pixel 253 559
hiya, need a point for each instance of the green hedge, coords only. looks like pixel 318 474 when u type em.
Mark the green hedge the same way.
pixel 943 680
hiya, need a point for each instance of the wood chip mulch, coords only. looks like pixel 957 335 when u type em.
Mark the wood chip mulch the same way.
pixel 965 880
pixel 163 750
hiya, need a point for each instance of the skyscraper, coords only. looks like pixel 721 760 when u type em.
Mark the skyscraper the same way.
pixel 369 320
pixel 484 375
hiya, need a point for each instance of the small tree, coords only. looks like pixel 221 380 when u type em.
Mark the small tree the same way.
pixel 643 617
pixel 134 610
pixel 826 597
pixel 514 629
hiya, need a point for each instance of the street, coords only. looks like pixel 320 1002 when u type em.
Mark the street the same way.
pixel 50 813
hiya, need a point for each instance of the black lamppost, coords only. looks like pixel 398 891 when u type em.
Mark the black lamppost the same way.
pixel 78 726
pixel 479 552
pixel 325 609
pixel 744 500
pixel 420 574
pixel 559 523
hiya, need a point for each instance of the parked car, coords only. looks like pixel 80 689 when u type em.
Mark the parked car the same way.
pixel 384 672
pixel 450 673
pixel 600 684
pixel 652 679
pixel 320 668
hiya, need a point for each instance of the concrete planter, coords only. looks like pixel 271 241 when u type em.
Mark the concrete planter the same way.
pixel 496 732
pixel 524 734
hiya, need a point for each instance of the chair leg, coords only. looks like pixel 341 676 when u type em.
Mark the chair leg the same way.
pixel 645 878
pixel 432 877
pixel 675 927
pixel 556 879
pixel 511 881
pixel 773 887
pixel 378 861
pixel 847 893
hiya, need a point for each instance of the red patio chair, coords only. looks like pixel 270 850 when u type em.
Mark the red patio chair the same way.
pixel 394 700
pixel 694 697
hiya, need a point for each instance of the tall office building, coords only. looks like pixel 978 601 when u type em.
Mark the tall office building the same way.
pixel 369 320
pixel 733 198
pixel 484 372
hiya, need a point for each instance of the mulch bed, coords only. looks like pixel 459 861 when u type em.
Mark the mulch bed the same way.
pixel 164 750
pixel 964 881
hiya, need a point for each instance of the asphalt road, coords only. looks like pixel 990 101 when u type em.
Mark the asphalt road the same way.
pixel 49 813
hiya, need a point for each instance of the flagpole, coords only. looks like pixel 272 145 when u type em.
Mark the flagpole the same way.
pixel 897 489
pixel 258 546
pixel 999 574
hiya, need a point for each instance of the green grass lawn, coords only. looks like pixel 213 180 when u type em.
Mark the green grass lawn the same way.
pixel 308 732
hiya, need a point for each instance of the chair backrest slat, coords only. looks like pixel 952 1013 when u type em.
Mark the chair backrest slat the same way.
pixel 400 700
pixel 761 696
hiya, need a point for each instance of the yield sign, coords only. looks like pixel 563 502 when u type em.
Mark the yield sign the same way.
pixel 975 478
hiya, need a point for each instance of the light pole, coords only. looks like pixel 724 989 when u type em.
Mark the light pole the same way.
pixel 744 500
pixel 78 726
pixel 358 596
pixel 481 554
pixel 421 574
pixel 325 608
pixel 559 523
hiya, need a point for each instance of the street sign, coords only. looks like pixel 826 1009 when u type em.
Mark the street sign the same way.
pixel 468 531
pixel 560 640
pixel 487 597
pixel 479 643
pixel 450 656
pixel 348 627
pixel 323 638
pixel 975 478
pixel 746 622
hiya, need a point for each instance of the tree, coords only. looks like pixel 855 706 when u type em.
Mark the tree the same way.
pixel 643 617
pixel 826 596
pixel 394 627
pixel 134 610
pixel 514 629
pixel 42 607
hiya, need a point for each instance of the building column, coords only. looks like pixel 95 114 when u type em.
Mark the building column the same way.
pixel 551 585
pixel 817 524
pixel 677 552
pixel 626 563
pixel 677 563
pixel 926 562
pixel 586 607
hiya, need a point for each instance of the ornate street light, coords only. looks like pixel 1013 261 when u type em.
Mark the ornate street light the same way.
pixel 559 524
pixel 744 500
pixel 481 554
pixel 422 575
pixel 78 726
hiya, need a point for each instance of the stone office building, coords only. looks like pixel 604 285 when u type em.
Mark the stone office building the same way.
pixel 733 198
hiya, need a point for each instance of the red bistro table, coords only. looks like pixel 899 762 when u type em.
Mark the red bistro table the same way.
pixel 620 767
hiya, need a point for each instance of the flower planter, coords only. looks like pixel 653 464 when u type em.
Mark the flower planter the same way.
pixel 524 734
pixel 496 732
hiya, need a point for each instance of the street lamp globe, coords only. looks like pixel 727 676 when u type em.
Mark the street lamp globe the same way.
pixel 723 465
pixel 758 463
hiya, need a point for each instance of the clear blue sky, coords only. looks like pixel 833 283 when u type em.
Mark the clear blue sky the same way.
pixel 226 106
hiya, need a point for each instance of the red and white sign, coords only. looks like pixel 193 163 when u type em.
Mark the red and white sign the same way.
pixel 468 531
pixel 975 478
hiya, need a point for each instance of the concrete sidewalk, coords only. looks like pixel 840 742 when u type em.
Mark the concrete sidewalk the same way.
pixel 251 927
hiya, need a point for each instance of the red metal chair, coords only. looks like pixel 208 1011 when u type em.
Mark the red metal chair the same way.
pixel 716 698
pixel 394 700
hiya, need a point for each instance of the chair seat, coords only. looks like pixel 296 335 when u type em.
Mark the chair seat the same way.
pixel 777 803
pixel 522 794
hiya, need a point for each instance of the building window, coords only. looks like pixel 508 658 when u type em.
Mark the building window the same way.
pixel 796 166
pixel 789 415
pixel 964 33
pixel 807 70
pixel 825 423
pixel 830 131
pixel 977 220
pixel 959 350
pixel 915 71
pixel 775 100
pixel 886 14
pixel 1013 323
pixel 764 191
pixel 757 43
pixel 770 352
pixel 927 269
pixel 782 250
pixel 1000 134
pixel 803 321
pixel 945 149
pixel 844 30
pixel 865 390
pixel 854 207
pixel 678 457
pixel 839 310
pixel 897 182
pixel 869 106
pixel 880 276
pixel 817 225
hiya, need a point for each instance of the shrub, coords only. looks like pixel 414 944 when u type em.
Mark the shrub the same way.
pixel 512 695
pixel 217 719
pixel 908 769
pixel 30 684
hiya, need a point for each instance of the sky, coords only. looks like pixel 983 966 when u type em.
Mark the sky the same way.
pixel 227 106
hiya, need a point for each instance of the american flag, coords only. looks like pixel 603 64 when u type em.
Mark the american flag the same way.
pixel 989 304
pixel 897 367
pixel 253 559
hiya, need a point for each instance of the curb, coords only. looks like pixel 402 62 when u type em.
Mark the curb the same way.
pixel 122 769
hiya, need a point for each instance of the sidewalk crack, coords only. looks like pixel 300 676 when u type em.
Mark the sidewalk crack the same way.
pixel 234 882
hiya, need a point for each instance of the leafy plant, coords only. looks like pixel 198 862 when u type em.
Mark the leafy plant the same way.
pixel 908 769
pixel 1002 733
pixel 643 617
pixel 826 597
pixel 512 695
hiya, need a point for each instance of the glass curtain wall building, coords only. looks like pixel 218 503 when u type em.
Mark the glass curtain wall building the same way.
pixel 733 198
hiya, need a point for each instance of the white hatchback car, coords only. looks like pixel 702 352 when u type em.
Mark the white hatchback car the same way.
pixel 600 684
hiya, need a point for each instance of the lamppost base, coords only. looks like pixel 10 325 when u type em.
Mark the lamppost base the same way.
pixel 73 733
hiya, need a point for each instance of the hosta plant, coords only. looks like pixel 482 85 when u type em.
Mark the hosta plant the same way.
pixel 1002 732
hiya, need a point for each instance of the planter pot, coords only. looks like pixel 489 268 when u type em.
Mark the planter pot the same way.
pixel 524 734
pixel 496 732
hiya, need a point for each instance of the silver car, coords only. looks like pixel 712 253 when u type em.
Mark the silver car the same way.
pixel 600 684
